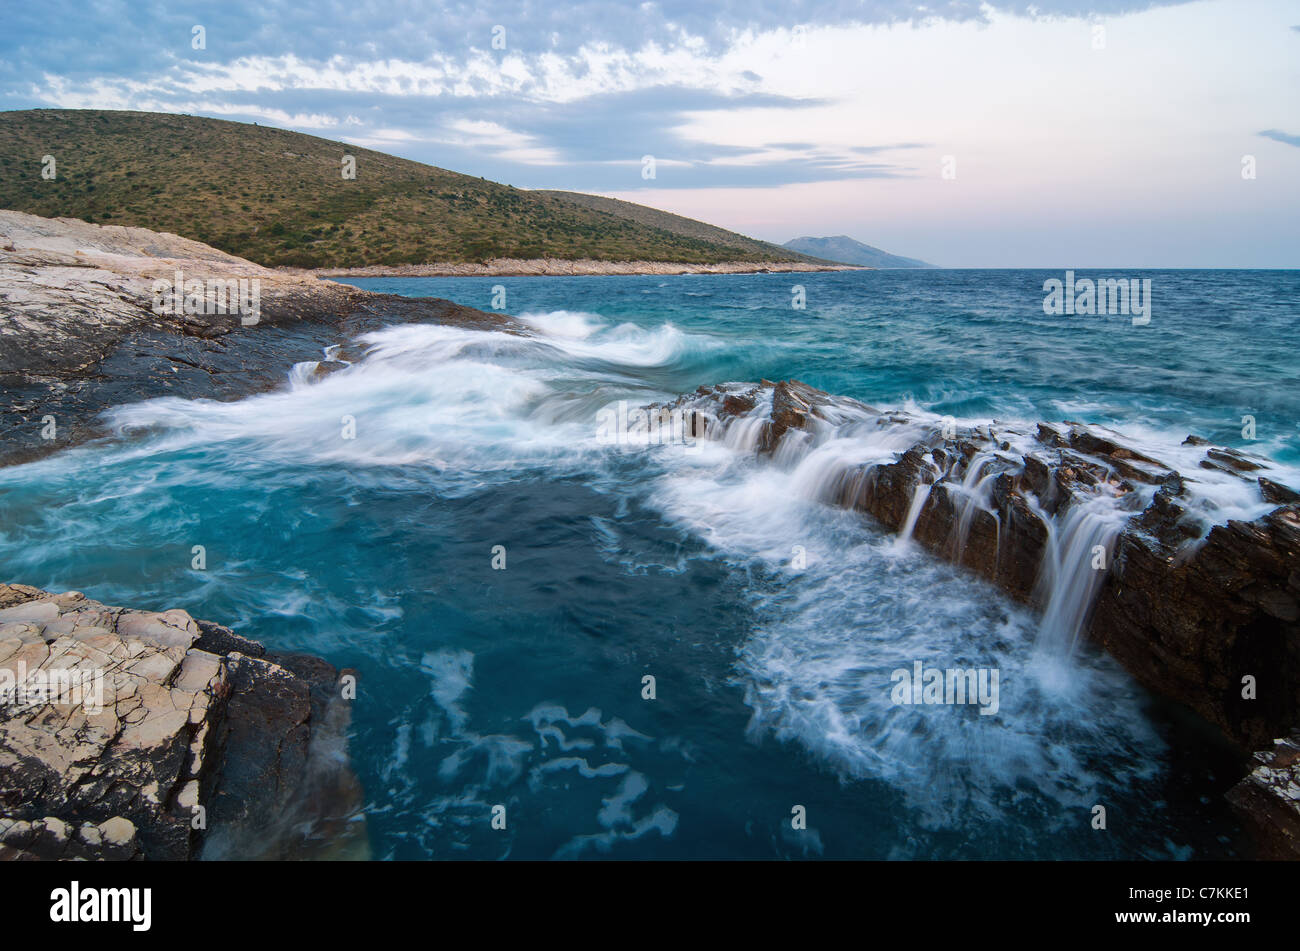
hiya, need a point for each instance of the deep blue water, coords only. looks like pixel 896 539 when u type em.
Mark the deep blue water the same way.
pixel 523 686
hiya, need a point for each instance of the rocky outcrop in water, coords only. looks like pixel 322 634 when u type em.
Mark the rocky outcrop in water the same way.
pixel 149 735
pixel 1190 607
pixel 81 329
pixel 1211 622
pixel 1106 540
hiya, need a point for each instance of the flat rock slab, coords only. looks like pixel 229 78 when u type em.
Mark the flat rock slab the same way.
pixel 141 734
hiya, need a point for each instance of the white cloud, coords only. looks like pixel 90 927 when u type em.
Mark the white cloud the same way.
pixel 502 142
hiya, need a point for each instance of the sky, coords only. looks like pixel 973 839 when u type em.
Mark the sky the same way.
pixel 1014 134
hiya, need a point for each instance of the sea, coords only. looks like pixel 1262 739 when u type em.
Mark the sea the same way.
pixel 569 647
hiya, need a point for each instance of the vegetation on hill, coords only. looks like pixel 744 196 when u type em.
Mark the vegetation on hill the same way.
pixel 679 225
pixel 280 198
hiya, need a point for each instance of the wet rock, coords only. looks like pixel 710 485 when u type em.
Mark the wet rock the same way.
pixel 1167 518
pixel 887 491
pixel 792 403
pixel 1189 612
pixel 1229 460
pixel 1275 492
pixel 216 639
pixel 1023 539
pixel 116 724
pixel 313 817
pixel 324 368
pixel 1268 799
pixel 1193 620
pixel 1039 476
pixel 737 404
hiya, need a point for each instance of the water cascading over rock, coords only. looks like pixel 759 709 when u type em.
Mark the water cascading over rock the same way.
pixel 1187 572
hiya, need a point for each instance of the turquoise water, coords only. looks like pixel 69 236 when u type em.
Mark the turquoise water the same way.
pixel 523 687
pixel 1220 345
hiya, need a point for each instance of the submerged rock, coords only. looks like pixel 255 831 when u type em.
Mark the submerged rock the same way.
pixel 137 734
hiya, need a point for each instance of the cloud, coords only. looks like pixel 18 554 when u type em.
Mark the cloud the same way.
pixel 563 122
pixel 1283 137
pixel 579 94
pixel 129 36
pixel 405 46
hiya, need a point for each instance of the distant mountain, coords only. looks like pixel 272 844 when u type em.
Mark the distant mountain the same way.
pixel 279 197
pixel 847 251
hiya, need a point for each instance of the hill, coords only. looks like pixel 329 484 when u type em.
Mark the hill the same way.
pixel 677 224
pixel 279 198
pixel 847 251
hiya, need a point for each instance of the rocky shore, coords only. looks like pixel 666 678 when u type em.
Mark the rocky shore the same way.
pixel 1109 542
pixel 151 735
pixel 81 329
pixel 175 738
pixel 560 267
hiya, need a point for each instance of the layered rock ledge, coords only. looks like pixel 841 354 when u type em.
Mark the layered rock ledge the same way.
pixel 1108 541
pixel 151 735
pixel 81 329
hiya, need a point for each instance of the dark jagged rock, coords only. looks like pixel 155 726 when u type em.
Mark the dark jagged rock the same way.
pixel 217 639
pixel 1228 460
pixel 1277 494
pixel 1189 612
pixel 278 793
pixel 1210 618
pixel 166 715
pixel 791 405
pixel 1192 620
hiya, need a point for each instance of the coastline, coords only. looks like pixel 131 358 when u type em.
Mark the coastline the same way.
pixel 80 331
pixel 85 305
pixel 557 267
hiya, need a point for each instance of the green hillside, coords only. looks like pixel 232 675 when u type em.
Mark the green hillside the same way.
pixel 677 224
pixel 279 198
